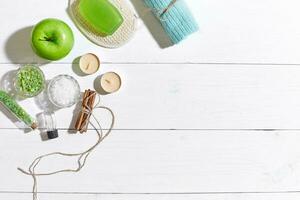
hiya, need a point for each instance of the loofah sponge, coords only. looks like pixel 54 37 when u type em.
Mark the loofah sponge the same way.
pixel 108 23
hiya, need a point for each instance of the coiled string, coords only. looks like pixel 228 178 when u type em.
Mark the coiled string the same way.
pixel 82 156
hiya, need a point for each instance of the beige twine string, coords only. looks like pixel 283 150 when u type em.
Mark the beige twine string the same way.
pixel 160 12
pixel 82 155
pixel 171 4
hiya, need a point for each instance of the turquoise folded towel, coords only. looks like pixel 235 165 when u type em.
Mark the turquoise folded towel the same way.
pixel 175 17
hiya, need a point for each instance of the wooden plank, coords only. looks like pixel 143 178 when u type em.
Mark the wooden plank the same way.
pixel 159 162
pixel 286 196
pixel 256 31
pixel 189 96
pixel 17 196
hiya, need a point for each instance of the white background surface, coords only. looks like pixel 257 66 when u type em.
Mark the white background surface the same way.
pixel 216 117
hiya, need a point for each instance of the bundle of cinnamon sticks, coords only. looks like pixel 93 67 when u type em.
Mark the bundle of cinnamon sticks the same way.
pixel 87 105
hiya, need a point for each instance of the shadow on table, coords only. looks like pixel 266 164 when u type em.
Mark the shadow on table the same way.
pixel 152 23
pixel 75 67
pixel 18 48
pixel 97 86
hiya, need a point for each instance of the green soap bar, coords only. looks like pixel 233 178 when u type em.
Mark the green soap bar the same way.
pixel 101 15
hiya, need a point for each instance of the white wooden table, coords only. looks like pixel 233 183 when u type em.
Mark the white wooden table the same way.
pixel 216 117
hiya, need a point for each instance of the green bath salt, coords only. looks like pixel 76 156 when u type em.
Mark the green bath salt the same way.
pixel 16 109
pixel 30 81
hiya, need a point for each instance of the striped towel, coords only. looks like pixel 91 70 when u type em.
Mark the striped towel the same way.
pixel 175 17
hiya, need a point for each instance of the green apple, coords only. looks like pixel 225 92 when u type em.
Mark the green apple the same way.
pixel 52 39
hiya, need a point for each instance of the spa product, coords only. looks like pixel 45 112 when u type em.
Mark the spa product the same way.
pixel 110 82
pixel 108 23
pixel 63 91
pixel 175 17
pixel 16 109
pixel 29 81
pixel 52 39
pixel 47 121
pixel 87 106
pixel 89 63
pixel 100 15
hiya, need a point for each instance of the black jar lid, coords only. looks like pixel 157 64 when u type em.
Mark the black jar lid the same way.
pixel 52 134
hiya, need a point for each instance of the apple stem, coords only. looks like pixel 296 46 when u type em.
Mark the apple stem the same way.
pixel 48 39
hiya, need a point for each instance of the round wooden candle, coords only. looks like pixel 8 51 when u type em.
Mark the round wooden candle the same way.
pixel 89 63
pixel 110 82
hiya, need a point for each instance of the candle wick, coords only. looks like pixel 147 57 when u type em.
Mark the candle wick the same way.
pixel 107 81
pixel 87 67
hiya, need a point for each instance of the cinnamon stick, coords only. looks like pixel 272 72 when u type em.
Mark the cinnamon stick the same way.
pixel 87 103
pixel 81 115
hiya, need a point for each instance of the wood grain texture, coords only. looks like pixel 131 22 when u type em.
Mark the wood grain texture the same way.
pixel 250 31
pixel 280 196
pixel 182 96
pixel 159 162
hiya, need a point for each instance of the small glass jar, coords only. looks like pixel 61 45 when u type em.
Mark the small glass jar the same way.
pixel 29 81
pixel 63 91
pixel 47 121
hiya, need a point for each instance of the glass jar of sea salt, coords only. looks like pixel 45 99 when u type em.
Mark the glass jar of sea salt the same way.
pixel 63 91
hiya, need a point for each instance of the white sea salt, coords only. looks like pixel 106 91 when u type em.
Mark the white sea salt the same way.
pixel 64 91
